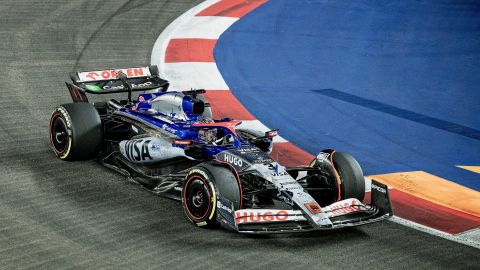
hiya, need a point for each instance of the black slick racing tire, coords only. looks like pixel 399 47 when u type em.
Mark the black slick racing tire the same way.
pixel 205 186
pixel 351 176
pixel 76 131
pixel 199 197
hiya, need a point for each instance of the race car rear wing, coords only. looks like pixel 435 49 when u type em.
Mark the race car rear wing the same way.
pixel 115 81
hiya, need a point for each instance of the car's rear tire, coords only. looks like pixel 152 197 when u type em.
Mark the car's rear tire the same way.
pixel 351 176
pixel 202 189
pixel 76 131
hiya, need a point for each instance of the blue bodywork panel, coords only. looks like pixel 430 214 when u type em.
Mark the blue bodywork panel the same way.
pixel 184 128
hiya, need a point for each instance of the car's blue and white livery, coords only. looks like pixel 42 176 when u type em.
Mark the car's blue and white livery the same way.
pixel 169 143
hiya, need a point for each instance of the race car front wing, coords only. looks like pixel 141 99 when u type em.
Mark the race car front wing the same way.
pixel 345 213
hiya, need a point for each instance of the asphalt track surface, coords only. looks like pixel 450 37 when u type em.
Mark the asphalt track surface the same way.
pixel 59 215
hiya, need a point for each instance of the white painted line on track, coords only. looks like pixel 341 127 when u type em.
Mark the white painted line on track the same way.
pixel 208 27
pixel 472 235
pixel 160 46
pixel 464 238
pixel 187 75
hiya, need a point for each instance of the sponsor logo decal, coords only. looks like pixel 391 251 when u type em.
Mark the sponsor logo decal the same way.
pixel 233 160
pixel 220 205
pixel 275 168
pixel 248 150
pixel 289 186
pixel 155 147
pixel 167 128
pixel 321 157
pixel 202 173
pixel 288 183
pixel 266 216
pixel 140 85
pixel 378 188
pixel 279 173
pixel 108 87
pixel 66 117
pixel 313 207
pixel 92 75
pixel 342 208
pixel 137 150
pixel 302 194
pixel 100 75
pixel 321 220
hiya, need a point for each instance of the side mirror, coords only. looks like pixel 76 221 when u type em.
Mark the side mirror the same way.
pixel 271 133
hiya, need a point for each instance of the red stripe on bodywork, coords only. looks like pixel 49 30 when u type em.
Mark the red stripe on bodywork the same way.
pixel 230 125
pixel 231 8
pixel 288 154
pixel 430 214
pixel 190 50
pixel 225 104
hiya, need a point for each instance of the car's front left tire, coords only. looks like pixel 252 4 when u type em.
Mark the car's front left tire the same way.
pixel 207 185
pixel 199 197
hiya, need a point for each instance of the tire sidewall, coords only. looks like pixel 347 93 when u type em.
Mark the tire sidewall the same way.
pixel 202 174
pixel 351 176
pixel 84 131
pixel 61 112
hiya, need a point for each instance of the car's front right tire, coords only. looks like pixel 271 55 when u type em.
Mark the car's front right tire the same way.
pixel 351 176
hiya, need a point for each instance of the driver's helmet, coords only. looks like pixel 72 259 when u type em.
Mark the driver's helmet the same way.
pixel 208 135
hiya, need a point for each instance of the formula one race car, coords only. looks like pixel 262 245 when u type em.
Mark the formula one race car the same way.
pixel 221 171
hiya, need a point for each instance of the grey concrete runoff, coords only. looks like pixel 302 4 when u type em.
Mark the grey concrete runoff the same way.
pixel 80 215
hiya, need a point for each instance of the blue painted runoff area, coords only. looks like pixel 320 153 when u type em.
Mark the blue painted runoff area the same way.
pixel 394 83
